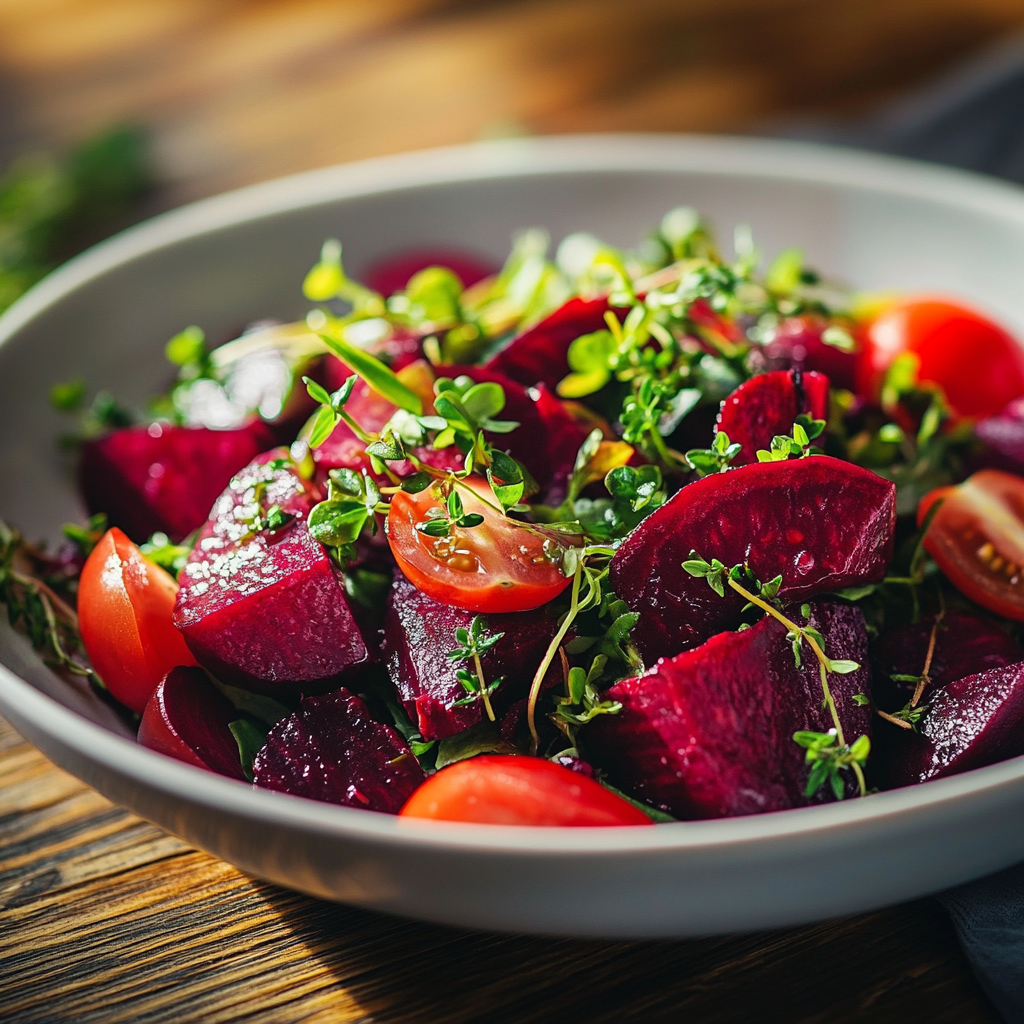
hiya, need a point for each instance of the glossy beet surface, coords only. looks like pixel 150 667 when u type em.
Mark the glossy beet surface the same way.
pixel 419 632
pixel 332 749
pixel 972 722
pixel 820 523
pixel 187 718
pixel 267 610
pixel 1002 437
pixel 767 405
pixel 164 478
pixel 540 354
pixel 709 733
pixel 965 644
pixel 797 344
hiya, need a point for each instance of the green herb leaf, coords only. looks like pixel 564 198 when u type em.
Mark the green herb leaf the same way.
pixel 250 739
pixel 373 371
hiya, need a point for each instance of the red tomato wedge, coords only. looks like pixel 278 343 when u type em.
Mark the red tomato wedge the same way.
pixel 977 539
pixel 125 604
pixel 497 566
pixel 978 365
pixel 511 790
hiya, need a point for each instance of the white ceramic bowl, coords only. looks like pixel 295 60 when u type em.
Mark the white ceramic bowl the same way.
pixel 878 222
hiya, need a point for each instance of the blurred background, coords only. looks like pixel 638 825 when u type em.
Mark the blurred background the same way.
pixel 230 92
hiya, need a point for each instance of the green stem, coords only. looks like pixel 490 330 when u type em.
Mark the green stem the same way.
pixel 485 696
pixel 542 669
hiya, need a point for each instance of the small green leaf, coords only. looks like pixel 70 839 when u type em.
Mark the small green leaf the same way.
pixel 373 371
pixel 250 739
pixel 842 667
pixel 416 483
pixel 577 682
pixel 187 347
pixel 316 392
pixel 481 738
pixel 69 397
pixel 484 401
pixel 861 699
pixel 839 338
pixel 342 395
pixel 783 274
pixel 323 426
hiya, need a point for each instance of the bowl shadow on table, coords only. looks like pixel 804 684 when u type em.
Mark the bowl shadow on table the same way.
pixel 898 964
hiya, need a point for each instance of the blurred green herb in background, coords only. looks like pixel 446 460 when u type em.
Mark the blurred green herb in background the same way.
pixel 50 208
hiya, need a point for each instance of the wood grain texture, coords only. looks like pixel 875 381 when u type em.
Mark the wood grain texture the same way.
pixel 104 919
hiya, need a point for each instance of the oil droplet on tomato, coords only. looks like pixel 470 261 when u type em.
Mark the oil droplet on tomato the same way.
pixel 455 555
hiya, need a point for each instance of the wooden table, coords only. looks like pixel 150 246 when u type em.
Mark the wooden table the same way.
pixel 102 917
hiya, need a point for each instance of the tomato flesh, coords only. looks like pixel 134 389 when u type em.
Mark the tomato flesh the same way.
pixel 497 566
pixel 977 539
pixel 125 603
pixel 978 365
pixel 512 790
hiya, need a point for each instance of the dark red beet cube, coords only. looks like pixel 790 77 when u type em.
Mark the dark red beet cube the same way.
pixel 540 354
pixel 709 733
pixel 820 523
pixel 972 722
pixel 267 610
pixel 419 632
pixel 187 718
pixel 162 477
pixel 393 273
pixel 768 405
pixel 333 750
pixel 1002 438
pixel 965 644
pixel 797 345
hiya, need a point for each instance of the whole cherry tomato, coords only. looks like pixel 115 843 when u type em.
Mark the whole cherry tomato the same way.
pixel 125 603
pixel 977 539
pixel 498 565
pixel 978 365
pixel 512 790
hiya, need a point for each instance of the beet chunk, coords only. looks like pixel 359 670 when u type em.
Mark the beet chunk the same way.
pixel 709 733
pixel 187 718
pixel 821 523
pixel 767 405
pixel 797 344
pixel 540 354
pixel 331 749
pixel 1002 437
pixel 972 722
pixel 965 644
pixel 418 634
pixel 162 477
pixel 267 610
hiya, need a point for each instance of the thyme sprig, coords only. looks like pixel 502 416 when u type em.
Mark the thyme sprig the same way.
pixel 50 623
pixel 474 643
pixel 828 752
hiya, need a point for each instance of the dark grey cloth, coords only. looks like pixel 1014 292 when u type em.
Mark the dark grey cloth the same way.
pixel 989 918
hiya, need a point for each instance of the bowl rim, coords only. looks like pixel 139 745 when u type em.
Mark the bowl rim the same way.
pixel 800 162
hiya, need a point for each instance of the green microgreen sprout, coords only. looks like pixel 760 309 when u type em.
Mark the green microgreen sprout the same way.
pixel 798 446
pixel 715 459
pixel 169 556
pixel 353 500
pixel 913 712
pixel 441 521
pixel 474 643
pixel 85 538
pixel 582 702
pixel 332 411
pixel 827 751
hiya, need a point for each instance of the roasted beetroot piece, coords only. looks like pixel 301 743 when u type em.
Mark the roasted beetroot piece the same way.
pixel 971 722
pixel 820 523
pixel 265 608
pixel 162 477
pixel 565 434
pixel 767 405
pixel 1002 440
pixel 797 345
pixel 540 354
pixel 709 733
pixel 392 273
pixel 965 644
pixel 333 750
pixel 187 718
pixel 419 632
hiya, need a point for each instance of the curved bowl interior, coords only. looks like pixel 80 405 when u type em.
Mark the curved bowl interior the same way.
pixel 878 223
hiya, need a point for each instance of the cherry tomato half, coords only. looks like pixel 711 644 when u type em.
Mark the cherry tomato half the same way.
pixel 125 603
pixel 511 790
pixel 977 539
pixel 978 365
pixel 497 566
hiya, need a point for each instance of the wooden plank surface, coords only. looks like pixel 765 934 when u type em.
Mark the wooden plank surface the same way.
pixel 102 917
pixel 105 919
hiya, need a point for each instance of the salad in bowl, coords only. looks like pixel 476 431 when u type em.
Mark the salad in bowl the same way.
pixel 609 538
